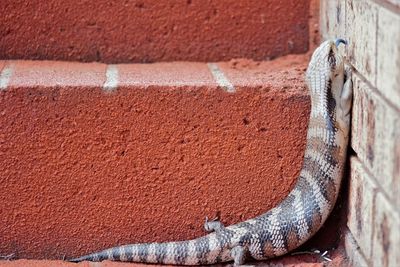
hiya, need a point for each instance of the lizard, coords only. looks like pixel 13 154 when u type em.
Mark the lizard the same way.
pixel 301 214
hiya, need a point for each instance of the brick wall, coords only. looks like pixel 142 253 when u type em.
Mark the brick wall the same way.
pixel 372 236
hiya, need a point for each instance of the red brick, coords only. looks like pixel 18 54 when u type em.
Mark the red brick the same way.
pixel 165 74
pixel 83 170
pixel 313 22
pixel 362 195
pixel 152 30
pixel 281 74
pixel 354 254
pixel 57 74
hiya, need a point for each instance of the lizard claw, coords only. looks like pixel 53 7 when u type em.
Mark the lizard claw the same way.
pixel 213 225
pixel 324 256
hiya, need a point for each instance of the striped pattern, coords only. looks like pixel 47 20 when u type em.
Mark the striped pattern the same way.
pixel 305 209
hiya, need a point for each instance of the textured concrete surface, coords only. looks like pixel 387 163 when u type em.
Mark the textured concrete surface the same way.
pixel 151 30
pixel 83 169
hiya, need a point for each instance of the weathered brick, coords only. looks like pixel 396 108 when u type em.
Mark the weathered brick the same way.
pixel 386 239
pixel 361 20
pixel 388 57
pixel 376 137
pixel 394 2
pixel 354 254
pixel 361 198
pixel 333 17
pixel 371 27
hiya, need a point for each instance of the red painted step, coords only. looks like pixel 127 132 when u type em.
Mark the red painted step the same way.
pixel 152 30
pixel 96 155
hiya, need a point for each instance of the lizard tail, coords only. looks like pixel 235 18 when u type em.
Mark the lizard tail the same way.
pixel 192 252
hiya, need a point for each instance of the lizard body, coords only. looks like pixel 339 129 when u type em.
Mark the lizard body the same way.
pixel 302 212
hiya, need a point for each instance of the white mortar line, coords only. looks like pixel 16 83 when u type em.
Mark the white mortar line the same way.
pixel 220 78
pixel 5 76
pixel 111 82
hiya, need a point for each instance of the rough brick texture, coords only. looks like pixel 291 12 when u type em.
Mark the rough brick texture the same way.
pixel 354 258
pixel 94 156
pixel 372 29
pixel 362 193
pixel 152 30
pixel 376 137
pixel 386 239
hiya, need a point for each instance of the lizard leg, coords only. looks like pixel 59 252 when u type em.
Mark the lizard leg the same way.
pixel 238 254
pixel 213 225
pixel 347 93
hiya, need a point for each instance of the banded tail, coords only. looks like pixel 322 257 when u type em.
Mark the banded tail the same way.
pixel 209 249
